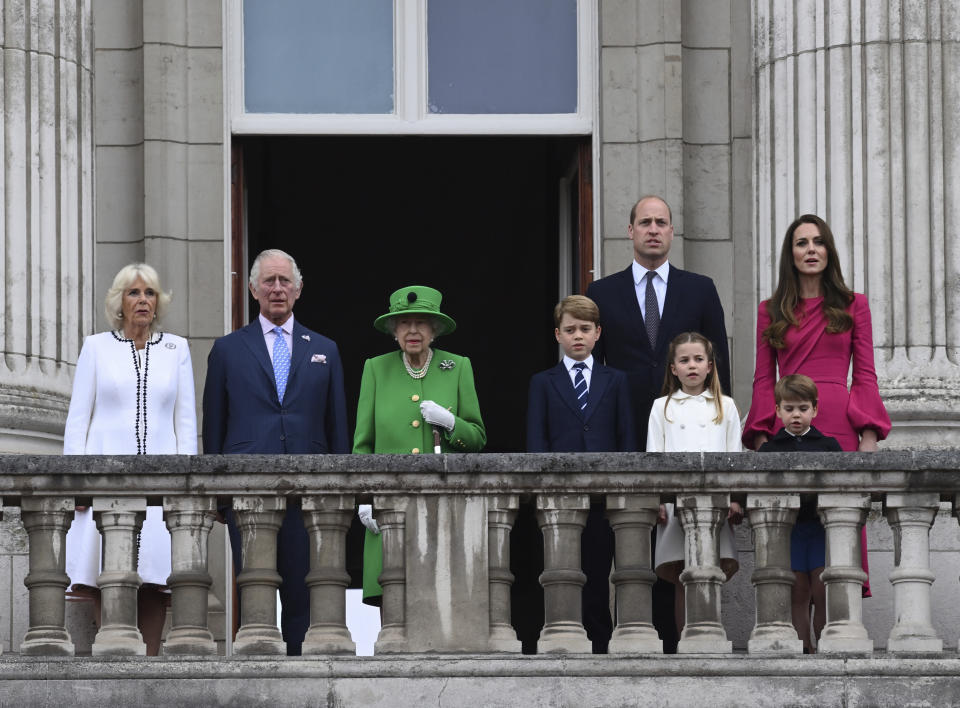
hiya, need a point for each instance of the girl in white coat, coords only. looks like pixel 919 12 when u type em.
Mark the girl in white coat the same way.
pixel 132 395
pixel 692 416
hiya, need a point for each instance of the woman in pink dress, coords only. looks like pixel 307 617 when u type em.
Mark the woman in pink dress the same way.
pixel 815 325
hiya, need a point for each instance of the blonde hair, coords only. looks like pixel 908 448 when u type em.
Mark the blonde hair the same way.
pixel 795 387
pixel 579 307
pixel 113 302
pixel 671 384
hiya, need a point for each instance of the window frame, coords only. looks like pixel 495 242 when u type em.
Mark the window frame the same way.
pixel 411 115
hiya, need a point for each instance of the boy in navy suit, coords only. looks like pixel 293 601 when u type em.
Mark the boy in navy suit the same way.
pixel 580 405
pixel 796 397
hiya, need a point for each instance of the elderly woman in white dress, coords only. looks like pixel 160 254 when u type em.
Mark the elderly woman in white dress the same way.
pixel 132 395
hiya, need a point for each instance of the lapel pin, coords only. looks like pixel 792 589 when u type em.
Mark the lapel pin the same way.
pixel 447 364
pixel 305 336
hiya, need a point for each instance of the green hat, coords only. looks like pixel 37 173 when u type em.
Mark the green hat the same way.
pixel 416 300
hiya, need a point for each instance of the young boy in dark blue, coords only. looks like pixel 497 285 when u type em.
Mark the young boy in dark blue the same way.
pixel 580 405
pixel 796 397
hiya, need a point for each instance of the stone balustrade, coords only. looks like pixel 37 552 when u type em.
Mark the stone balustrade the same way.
pixel 445 521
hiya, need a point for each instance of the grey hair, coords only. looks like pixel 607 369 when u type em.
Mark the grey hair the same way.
pixel 274 253
pixel 434 329
pixel 113 302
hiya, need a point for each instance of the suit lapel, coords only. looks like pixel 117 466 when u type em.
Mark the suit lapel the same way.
pixel 300 347
pixel 671 306
pixel 252 337
pixel 598 385
pixel 560 378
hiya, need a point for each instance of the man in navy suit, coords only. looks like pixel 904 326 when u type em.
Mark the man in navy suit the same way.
pixel 276 387
pixel 642 308
pixel 580 405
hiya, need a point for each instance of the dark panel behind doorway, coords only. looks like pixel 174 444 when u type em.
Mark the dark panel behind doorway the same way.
pixel 475 218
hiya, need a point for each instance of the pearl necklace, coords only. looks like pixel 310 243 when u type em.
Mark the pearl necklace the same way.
pixel 421 372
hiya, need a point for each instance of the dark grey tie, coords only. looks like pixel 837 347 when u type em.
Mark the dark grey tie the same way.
pixel 651 311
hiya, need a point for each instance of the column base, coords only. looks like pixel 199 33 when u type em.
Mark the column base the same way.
pixel 391 640
pixel 564 638
pixel 828 645
pixel 42 641
pixel 328 639
pixel 189 642
pixel 915 644
pixel 503 639
pixel 118 641
pixel 636 638
pixel 259 639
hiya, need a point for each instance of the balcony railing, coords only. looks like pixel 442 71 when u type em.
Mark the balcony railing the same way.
pixel 446 521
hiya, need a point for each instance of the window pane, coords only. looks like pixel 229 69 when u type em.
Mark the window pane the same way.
pixel 502 56
pixel 318 56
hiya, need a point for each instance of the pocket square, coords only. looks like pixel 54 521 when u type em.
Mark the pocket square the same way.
pixel 322 358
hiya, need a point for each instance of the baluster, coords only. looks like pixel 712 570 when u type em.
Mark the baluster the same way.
pixel 259 519
pixel 119 521
pixel 501 513
pixel 391 518
pixel 46 520
pixel 701 516
pixel 842 516
pixel 911 516
pixel 771 519
pixel 189 520
pixel 327 519
pixel 632 516
pixel 562 518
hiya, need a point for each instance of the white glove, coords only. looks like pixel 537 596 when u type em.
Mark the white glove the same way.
pixel 365 512
pixel 437 415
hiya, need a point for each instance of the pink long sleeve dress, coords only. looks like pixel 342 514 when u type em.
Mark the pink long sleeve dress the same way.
pixel 826 358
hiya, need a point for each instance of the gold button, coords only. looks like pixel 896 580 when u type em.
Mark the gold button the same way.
pixel 415 397
pixel 415 451
pixel 415 424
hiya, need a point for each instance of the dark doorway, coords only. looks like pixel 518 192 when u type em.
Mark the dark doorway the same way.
pixel 476 218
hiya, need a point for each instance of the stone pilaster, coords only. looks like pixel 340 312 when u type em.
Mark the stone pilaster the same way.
pixel 259 519
pixel 857 122
pixel 391 518
pixel 189 520
pixel 327 519
pixel 501 513
pixel 701 516
pixel 911 516
pixel 771 519
pixel 561 519
pixel 46 520
pixel 842 516
pixel 46 194
pixel 119 521
pixel 632 517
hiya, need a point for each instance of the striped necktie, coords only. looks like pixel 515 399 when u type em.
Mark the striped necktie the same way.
pixel 281 362
pixel 580 385
pixel 651 319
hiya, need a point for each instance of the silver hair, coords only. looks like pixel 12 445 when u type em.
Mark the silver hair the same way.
pixel 434 322
pixel 113 302
pixel 274 253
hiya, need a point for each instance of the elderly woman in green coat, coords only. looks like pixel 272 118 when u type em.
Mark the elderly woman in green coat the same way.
pixel 406 395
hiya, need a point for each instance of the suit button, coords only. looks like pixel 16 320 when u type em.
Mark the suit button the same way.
pixel 586 427
pixel 415 398
pixel 415 451
pixel 283 437
pixel 415 424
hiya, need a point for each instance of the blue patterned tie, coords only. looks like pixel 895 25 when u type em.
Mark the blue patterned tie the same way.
pixel 281 362
pixel 580 384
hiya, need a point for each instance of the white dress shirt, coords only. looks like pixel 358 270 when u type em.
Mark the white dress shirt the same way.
pixel 587 370
pixel 269 335
pixel 659 285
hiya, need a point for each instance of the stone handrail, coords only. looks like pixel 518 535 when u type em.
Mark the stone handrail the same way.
pixel 445 521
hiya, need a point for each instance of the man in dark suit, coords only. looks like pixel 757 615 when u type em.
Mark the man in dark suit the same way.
pixel 642 308
pixel 580 405
pixel 276 387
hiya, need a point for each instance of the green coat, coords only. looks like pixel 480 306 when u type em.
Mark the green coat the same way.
pixel 389 421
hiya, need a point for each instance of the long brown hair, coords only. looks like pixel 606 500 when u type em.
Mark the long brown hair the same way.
pixel 782 306
pixel 671 384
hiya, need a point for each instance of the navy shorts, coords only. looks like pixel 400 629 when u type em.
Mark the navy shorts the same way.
pixel 808 546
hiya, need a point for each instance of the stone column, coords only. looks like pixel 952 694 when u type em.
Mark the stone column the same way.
pixel 771 519
pixel 119 521
pixel 701 516
pixel 327 519
pixel 46 520
pixel 189 520
pixel 842 516
pixel 46 193
pixel 857 122
pixel 259 519
pixel 632 517
pixel 501 513
pixel 391 518
pixel 562 518
pixel 911 516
